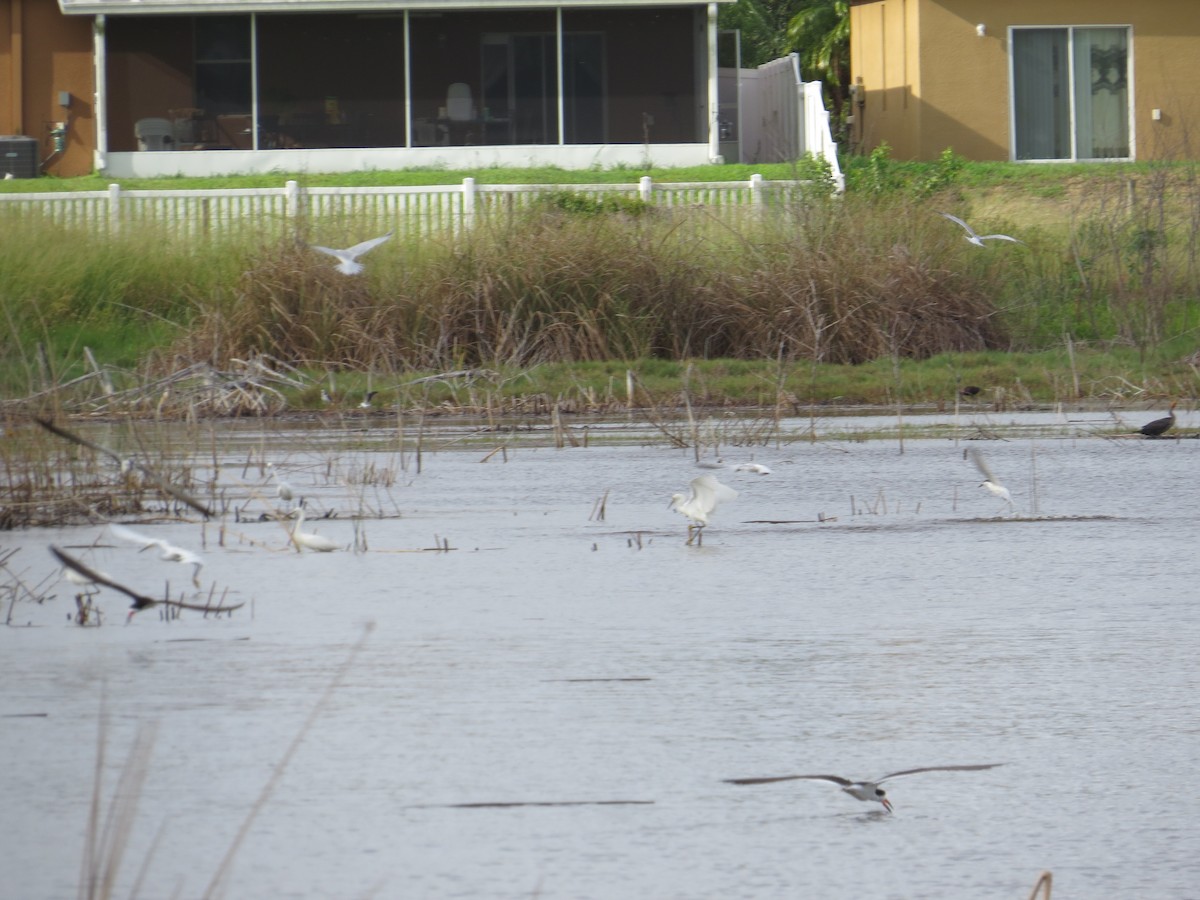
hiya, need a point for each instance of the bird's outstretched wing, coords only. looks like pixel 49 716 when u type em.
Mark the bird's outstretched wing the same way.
pixel 709 492
pixel 999 237
pixel 974 768
pixel 134 537
pixel 967 228
pixel 359 249
pixel 977 458
pixel 836 779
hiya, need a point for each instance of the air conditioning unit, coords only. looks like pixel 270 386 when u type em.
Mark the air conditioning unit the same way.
pixel 18 156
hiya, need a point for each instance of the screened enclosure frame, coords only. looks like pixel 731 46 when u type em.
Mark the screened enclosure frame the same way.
pixel 240 95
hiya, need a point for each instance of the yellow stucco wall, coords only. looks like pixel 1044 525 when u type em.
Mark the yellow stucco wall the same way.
pixel 43 52
pixel 931 82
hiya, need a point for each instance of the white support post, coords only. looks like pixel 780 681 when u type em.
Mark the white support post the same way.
pixel 645 188
pixel 408 116
pixel 291 193
pixel 756 193
pixel 468 203
pixel 558 71
pixel 114 208
pixel 714 126
pixel 100 99
pixel 254 129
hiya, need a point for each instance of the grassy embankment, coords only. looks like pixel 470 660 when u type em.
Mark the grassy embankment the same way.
pixel 870 298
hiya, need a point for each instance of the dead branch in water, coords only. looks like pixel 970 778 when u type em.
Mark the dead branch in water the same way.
pixel 140 601
pixel 125 463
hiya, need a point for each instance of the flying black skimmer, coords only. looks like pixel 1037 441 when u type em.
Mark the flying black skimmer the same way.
pixel 864 790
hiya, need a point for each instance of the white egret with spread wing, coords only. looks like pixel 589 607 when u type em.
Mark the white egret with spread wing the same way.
pixel 167 551
pixel 704 495
pixel 989 483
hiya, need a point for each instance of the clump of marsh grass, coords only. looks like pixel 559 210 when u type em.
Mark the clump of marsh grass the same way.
pixel 554 284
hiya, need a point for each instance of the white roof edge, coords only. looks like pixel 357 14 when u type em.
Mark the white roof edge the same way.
pixel 144 7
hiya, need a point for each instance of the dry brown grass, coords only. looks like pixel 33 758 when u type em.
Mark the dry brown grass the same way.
pixel 816 283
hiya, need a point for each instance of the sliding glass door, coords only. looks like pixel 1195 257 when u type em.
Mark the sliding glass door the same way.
pixel 1070 93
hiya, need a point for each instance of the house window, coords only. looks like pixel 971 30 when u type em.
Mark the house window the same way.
pixel 520 85
pixel 222 53
pixel 1070 90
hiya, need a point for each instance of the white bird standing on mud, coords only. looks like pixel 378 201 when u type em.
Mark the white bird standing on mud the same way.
pixel 705 493
pixel 989 483
pixel 348 259
pixel 168 552
pixel 978 239
pixel 864 790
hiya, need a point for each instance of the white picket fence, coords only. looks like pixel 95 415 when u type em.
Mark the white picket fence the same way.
pixel 415 210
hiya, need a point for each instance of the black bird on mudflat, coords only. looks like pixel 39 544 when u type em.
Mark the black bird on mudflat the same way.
pixel 1160 426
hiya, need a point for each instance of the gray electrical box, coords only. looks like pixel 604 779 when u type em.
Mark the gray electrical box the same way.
pixel 18 156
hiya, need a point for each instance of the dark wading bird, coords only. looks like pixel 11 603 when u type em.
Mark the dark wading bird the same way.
pixel 863 790
pixel 140 601
pixel 1160 426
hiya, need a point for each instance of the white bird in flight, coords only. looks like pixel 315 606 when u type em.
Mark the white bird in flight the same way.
pixel 705 493
pixel 989 483
pixel 978 239
pixel 167 551
pixel 348 258
pixel 864 790
pixel 310 539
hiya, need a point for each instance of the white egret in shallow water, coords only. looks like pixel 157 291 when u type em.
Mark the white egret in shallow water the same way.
pixel 978 239
pixel 752 468
pixel 348 259
pixel 864 790
pixel 310 539
pixel 282 489
pixel 82 581
pixel 705 493
pixel 168 552
pixel 989 483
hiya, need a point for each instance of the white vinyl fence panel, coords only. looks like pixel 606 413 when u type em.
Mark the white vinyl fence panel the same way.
pixel 420 210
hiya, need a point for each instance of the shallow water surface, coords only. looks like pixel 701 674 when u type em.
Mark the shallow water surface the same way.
pixel 859 611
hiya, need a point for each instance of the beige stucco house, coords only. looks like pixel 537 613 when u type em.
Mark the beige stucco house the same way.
pixel 1035 80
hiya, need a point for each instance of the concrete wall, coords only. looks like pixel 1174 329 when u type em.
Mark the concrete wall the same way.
pixel 931 82
pixel 42 52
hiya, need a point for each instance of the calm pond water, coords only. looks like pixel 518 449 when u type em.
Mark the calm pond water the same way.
pixel 552 658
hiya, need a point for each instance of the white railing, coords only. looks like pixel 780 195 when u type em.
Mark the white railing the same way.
pixel 414 210
pixel 784 118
